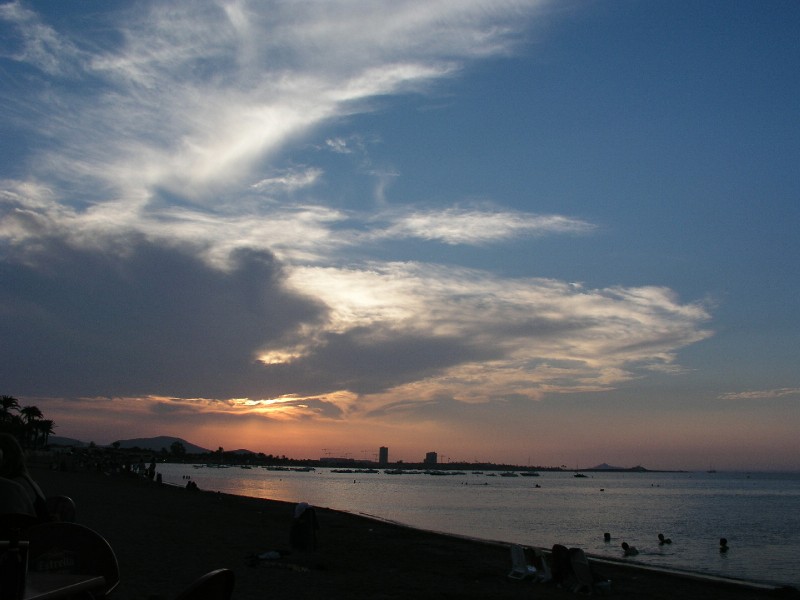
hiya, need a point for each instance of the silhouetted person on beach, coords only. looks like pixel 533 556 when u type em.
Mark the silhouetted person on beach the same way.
pixel 723 545
pixel 629 550
pixel 662 540
pixel 303 535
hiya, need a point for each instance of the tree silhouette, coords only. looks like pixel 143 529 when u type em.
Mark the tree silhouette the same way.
pixel 177 449
pixel 7 404
pixel 46 429
pixel 27 423
pixel 31 415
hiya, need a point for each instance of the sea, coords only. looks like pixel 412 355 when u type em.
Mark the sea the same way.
pixel 758 513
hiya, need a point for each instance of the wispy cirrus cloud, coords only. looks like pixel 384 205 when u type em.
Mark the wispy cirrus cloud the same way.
pixel 479 226
pixel 297 233
pixel 288 180
pixel 505 336
pixel 38 44
pixel 190 99
pixel 762 394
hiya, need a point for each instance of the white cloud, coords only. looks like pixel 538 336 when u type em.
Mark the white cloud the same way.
pixel 297 233
pixel 39 44
pixel 289 180
pixel 545 335
pixel 761 394
pixel 478 226
pixel 195 96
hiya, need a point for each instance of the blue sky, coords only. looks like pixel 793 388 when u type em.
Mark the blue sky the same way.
pixel 563 232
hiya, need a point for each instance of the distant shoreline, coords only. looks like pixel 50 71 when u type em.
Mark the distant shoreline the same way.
pixel 159 446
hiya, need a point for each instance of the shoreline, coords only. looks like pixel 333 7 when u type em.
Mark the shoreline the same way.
pixel 596 558
pixel 165 536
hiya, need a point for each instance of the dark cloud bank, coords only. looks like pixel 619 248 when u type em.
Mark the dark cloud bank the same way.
pixel 156 321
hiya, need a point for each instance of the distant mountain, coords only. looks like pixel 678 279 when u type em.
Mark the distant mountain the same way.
pixel 160 442
pixel 154 444
pixel 606 467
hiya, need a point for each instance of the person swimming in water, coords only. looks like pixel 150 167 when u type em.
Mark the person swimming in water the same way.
pixel 723 545
pixel 663 540
pixel 629 550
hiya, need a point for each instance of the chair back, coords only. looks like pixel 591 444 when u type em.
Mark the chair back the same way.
pixel 520 569
pixel 58 547
pixel 215 585
pixel 580 566
pixel 560 565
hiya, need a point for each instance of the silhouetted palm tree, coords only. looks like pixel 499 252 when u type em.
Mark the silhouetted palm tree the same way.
pixel 30 417
pixel 46 428
pixel 10 421
pixel 7 404
pixel 26 424
pixel 31 413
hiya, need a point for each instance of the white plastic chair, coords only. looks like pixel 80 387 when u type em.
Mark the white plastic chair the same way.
pixel 520 569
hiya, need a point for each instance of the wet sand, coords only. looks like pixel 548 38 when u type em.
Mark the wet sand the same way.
pixel 166 536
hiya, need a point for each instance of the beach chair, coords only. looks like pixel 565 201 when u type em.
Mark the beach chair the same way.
pixel 216 585
pixel 520 569
pixel 58 547
pixel 586 580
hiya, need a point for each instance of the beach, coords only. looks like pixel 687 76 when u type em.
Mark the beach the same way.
pixel 166 536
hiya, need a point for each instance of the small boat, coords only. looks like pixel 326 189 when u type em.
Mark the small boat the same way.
pixel 579 475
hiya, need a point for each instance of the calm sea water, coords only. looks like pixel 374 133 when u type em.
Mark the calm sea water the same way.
pixel 758 513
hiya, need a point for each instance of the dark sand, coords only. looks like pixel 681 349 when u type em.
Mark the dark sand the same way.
pixel 165 537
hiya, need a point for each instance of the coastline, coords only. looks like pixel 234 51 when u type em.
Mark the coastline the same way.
pixel 166 536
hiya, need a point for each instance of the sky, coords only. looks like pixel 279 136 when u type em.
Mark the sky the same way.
pixel 526 232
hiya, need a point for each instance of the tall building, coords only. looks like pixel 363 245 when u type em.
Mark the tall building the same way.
pixel 431 458
pixel 383 455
